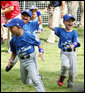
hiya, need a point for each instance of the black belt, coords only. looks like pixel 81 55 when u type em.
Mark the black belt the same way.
pixel 25 57
pixel 69 50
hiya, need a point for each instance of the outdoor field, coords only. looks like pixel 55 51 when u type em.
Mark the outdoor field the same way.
pixel 50 69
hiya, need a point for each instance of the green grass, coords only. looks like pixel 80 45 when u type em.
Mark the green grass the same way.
pixel 50 69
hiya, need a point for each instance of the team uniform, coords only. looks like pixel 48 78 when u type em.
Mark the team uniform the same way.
pixel 68 56
pixel 24 48
pixel 38 28
pixel 32 26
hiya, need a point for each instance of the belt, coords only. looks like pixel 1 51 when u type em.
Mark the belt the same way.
pixel 69 50
pixel 25 57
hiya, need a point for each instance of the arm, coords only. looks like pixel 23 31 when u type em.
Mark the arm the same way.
pixel 13 55
pixel 39 20
pixel 63 9
pixel 41 51
pixel 74 45
pixel 76 42
pixel 39 17
pixel 7 9
pixel 2 28
pixel 51 21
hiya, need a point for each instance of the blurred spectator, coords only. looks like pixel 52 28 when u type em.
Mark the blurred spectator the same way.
pixel 11 10
pixel 35 14
pixel 59 11
pixel 3 30
pixel 74 5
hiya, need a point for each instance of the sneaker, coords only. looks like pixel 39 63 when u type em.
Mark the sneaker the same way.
pixel 61 80
pixel 8 69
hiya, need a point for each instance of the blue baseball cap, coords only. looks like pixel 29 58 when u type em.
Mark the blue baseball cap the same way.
pixel 33 7
pixel 15 22
pixel 28 12
pixel 68 16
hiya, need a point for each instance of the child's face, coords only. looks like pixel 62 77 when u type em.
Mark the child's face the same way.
pixel 69 24
pixel 25 18
pixel 34 13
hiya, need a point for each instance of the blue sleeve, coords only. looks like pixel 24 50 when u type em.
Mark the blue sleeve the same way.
pixel 34 40
pixel 76 38
pixel 12 48
pixel 57 31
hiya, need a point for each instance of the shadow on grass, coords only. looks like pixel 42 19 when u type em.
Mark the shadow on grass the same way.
pixel 49 79
pixel 42 39
pixel 4 50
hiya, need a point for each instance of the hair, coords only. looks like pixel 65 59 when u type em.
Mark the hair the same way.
pixel 25 14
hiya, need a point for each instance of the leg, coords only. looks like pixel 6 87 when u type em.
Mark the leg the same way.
pixel 36 64
pixel 70 80
pixel 30 67
pixel 73 69
pixel 23 72
pixel 82 14
pixel 64 67
pixel 64 63
pixel 74 9
pixel 9 38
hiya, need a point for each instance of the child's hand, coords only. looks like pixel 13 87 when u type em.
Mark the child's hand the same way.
pixel 41 55
pixel 10 63
pixel 71 46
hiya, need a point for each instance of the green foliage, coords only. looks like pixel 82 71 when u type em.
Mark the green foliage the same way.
pixel 50 69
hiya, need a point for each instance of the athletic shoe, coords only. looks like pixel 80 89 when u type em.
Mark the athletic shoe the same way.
pixel 61 80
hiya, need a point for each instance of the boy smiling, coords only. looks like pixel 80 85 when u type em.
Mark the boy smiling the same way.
pixel 68 43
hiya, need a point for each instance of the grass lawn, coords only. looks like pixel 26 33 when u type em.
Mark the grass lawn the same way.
pixel 50 69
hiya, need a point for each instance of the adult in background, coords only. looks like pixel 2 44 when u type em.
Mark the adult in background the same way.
pixel 59 11
pixel 74 5
pixel 11 10
pixel 3 30
pixel 22 44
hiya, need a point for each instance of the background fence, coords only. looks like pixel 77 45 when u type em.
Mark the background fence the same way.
pixel 42 5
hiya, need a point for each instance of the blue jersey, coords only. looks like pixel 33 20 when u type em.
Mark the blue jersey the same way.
pixel 40 25
pixel 32 26
pixel 66 38
pixel 24 44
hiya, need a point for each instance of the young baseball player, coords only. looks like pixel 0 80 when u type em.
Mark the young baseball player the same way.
pixel 30 27
pixel 68 43
pixel 35 13
pixel 22 44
